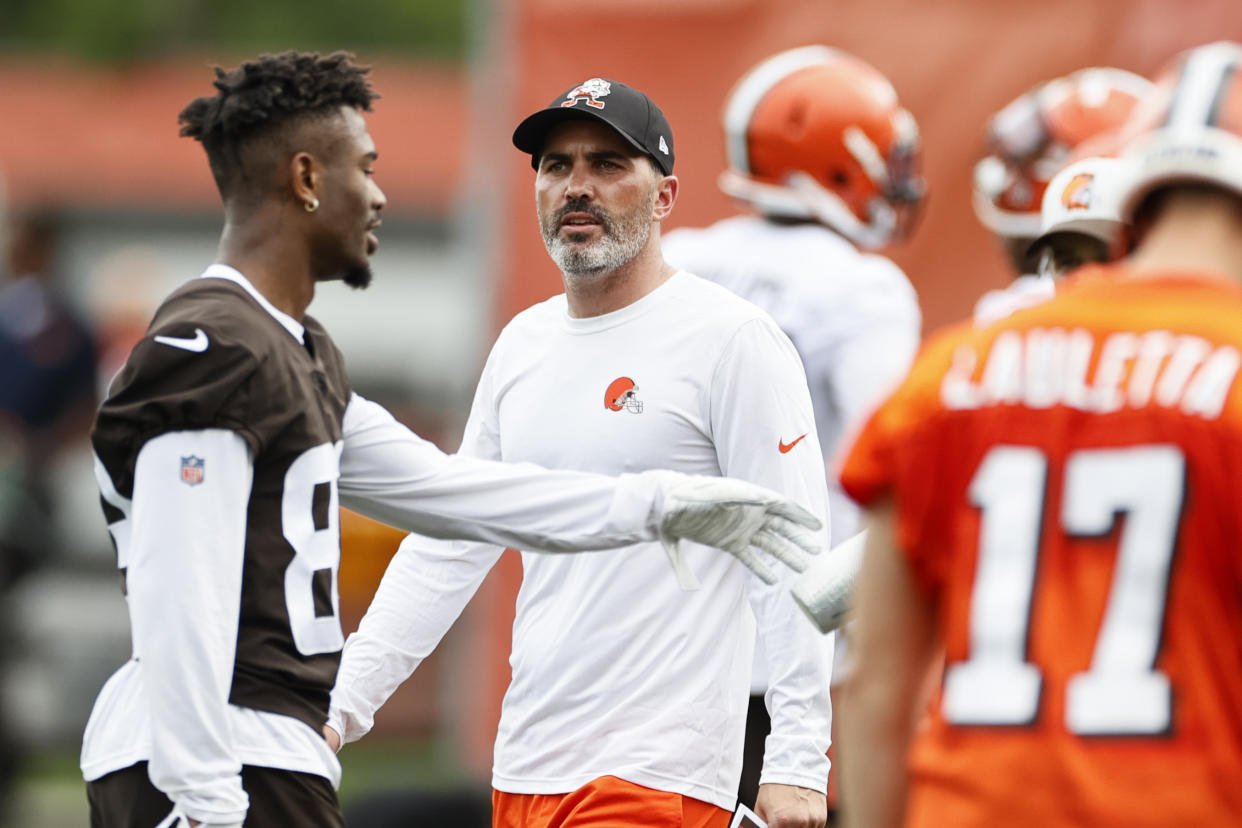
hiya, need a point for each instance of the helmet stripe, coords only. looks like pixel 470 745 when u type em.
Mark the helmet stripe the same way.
pixel 750 91
pixel 1201 87
pixel 1222 92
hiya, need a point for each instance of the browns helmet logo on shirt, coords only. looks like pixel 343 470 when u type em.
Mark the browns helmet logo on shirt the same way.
pixel 591 91
pixel 622 394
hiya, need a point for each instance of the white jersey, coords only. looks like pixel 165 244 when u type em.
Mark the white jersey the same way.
pixel 616 670
pixel 854 317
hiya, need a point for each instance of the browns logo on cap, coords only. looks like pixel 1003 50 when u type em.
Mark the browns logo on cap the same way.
pixel 592 91
pixel 631 113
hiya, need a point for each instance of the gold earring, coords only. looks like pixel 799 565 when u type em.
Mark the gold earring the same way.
pixel 312 205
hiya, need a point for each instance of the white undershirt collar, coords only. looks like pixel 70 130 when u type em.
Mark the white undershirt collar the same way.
pixel 591 324
pixel 223 271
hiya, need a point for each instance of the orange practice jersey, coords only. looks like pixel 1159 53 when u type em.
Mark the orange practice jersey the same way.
pixel 1068 485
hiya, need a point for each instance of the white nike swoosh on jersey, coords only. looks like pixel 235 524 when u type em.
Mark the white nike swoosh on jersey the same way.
pixel 196 343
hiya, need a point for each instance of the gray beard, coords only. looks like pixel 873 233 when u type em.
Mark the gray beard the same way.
pixel 618 244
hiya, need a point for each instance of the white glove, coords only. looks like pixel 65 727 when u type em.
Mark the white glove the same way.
pixel 826 590
pixel 734 516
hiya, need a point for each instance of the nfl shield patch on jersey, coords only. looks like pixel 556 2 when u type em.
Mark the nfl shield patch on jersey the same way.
pixel 191 470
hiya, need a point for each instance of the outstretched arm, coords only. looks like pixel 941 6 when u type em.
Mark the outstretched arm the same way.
pixel 393 475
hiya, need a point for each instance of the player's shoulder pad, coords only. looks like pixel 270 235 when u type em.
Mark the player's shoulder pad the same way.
pixel 207 332
pixel 882 287
pixel 935 356
pixel 193 369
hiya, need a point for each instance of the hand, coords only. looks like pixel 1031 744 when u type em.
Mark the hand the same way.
pixel 734 516
pixel 825 592
pixel 332 738
pixel 176 819
pixel 788 806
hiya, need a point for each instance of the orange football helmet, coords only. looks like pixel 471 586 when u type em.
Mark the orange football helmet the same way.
pixel 815 133
pixel 1034 136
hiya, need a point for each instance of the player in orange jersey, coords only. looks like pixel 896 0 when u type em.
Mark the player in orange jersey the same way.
pixel 1053 499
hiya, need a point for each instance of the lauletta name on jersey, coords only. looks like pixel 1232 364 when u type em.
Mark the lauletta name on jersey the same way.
pixel 1043 367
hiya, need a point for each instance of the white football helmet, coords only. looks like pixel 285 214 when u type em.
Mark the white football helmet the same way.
pixel 1190 129
pixel 1081 216
pixel 1084 198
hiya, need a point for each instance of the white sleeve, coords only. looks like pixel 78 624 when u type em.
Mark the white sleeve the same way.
pixel 760 403
pixel 870 362
pixel 392 475
pixel 183 581
pixel 425 588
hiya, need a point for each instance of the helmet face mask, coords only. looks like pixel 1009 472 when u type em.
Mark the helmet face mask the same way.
pixel 816 134
pixel 1034 136
pixel 905 187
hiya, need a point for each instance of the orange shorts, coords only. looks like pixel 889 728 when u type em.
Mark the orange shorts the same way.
pixel 607 802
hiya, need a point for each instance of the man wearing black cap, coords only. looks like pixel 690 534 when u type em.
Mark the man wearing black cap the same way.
pixel 629 694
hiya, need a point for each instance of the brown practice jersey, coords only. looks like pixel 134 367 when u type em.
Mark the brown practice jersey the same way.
pixel 213 358
pixel 1068 491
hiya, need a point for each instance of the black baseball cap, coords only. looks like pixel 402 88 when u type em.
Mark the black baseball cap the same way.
pixel 622 107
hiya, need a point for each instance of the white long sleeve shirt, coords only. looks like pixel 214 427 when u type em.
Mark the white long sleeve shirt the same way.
pixel 616 670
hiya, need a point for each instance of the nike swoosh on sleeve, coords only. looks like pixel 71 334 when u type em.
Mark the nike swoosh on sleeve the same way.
pixel 196 343
pixel 785 447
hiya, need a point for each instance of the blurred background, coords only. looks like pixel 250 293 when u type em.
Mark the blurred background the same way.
pixel 105 210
